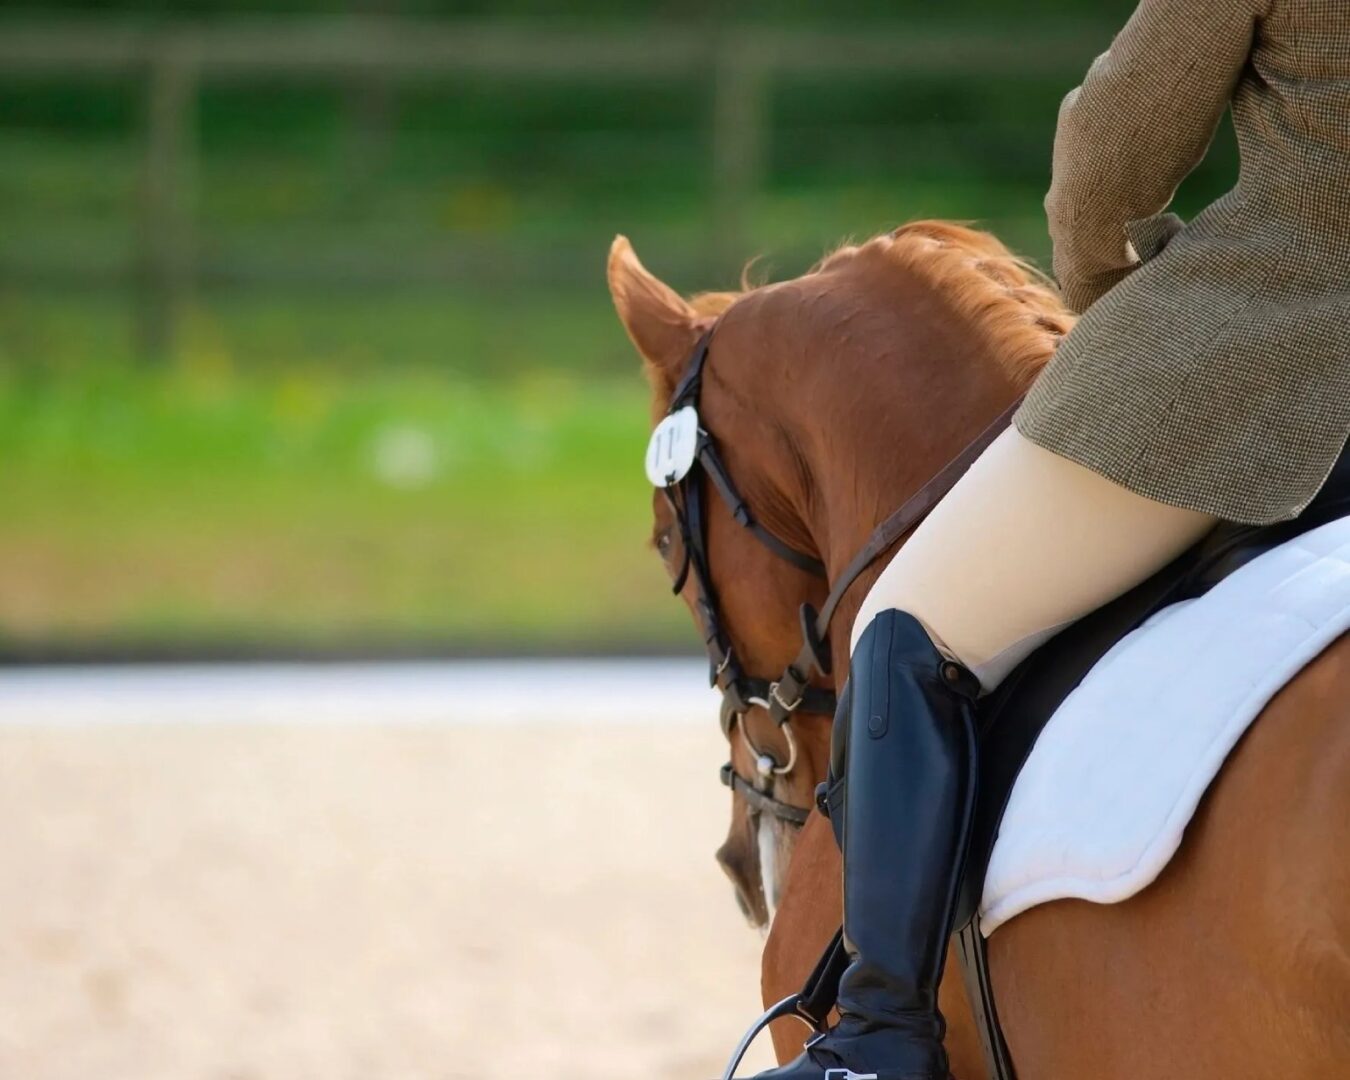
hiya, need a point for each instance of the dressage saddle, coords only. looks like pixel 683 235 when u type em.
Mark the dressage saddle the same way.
pixel 1011 719
pixel 1013 716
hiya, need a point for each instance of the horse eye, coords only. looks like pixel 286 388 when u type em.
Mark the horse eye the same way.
pixel 663 543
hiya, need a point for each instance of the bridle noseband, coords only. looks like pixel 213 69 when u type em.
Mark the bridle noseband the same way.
pixel 792 692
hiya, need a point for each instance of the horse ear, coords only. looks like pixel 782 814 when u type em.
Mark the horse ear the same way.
pixel 663 326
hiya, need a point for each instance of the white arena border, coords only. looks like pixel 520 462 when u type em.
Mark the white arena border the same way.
pixel 564 691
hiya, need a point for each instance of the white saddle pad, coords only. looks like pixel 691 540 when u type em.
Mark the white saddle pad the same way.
pixel 1117 773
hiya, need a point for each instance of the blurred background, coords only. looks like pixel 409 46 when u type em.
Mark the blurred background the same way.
pixel 306 353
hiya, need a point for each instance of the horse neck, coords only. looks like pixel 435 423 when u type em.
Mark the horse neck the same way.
pixel 922 412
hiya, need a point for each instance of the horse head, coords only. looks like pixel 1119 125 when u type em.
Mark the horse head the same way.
pixel 831 398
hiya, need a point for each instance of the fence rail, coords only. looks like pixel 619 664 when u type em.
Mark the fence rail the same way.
pixel 328 47
pixel 173 61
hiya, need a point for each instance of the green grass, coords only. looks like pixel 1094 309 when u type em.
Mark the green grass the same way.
pixel 207 505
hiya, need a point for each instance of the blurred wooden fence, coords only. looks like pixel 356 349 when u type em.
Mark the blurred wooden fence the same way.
pixel 173 61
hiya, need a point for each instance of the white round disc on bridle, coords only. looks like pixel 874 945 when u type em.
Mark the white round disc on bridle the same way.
pixel 673 447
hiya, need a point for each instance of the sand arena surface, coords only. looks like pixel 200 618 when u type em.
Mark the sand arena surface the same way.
pixel 361 903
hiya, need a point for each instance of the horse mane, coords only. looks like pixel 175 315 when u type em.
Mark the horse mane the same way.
pixel 1015 305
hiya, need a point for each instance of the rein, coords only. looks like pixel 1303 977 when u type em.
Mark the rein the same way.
pixel 793 691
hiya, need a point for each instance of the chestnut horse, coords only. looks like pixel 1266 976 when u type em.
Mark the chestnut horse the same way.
pixel 833 398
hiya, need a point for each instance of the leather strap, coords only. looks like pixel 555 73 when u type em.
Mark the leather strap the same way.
pixel 912 511
pixel 686 392
pixel 821 991
pixel 762 802
pixel 740 510
pixel 974 954
pixel 813 655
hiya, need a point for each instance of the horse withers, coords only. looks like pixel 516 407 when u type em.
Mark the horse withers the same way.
pixel 836 397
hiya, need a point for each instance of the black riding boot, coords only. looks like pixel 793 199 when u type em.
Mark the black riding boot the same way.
pixel 908 796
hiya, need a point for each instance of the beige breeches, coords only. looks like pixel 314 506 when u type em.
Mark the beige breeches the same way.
pixel 1025 543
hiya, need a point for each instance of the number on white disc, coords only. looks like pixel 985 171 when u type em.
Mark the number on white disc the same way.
pixel 670 454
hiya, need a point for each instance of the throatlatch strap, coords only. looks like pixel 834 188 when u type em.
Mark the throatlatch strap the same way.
pixel 740 510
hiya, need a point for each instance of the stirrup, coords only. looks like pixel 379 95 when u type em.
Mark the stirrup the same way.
pixel 848 1074
pixel 789 1006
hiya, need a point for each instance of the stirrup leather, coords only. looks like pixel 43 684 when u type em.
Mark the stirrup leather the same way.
pixel 789 1006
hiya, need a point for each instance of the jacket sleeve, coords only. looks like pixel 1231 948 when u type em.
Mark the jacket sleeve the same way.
pixel 1142 120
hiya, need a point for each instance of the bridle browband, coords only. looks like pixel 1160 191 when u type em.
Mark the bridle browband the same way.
pixel 792 692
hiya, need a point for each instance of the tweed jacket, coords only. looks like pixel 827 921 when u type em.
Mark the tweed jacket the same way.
pixel 1211 367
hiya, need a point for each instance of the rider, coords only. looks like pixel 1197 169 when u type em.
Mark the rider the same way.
pixel 1211 384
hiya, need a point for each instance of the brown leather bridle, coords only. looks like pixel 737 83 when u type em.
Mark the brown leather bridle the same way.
pixel 793 691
